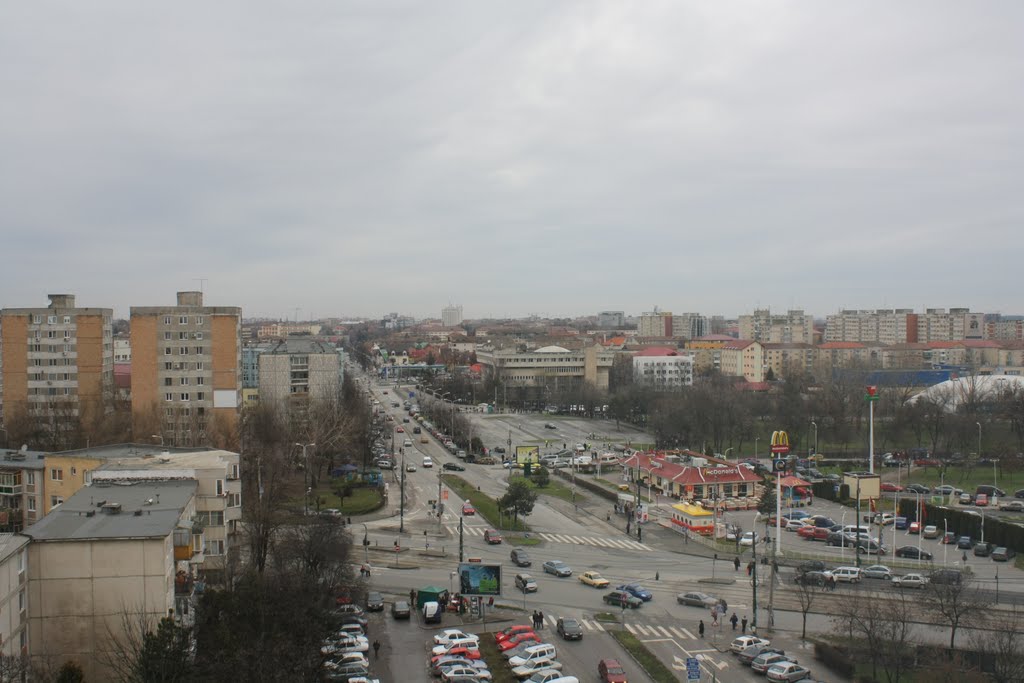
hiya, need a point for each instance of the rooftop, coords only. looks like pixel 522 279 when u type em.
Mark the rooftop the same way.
pixel 28 460
pixel 122 510
pixel 302 345
pixel 126 450
pixel 162 462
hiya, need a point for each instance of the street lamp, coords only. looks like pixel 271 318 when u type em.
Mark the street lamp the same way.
pixel 979 439
pixel 305 473
pixel 152 436
pixel 756 439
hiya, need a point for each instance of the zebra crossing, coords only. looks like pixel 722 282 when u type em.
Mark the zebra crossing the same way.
pixel 650 631
pixel 596 541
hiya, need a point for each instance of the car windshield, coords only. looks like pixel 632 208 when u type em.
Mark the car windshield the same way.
pixel 570 623
pixel 616 670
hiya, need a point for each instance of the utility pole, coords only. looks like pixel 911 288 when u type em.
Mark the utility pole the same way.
pixel 401 517
pixel 753 580
pixel 461 547
pixel 440 505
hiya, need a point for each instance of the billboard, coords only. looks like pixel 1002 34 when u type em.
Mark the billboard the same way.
pixel 479 579
pixel 525 454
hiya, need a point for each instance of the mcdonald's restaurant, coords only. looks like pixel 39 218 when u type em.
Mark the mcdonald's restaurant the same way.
pixel 691 477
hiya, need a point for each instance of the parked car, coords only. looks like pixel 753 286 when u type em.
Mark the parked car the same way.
pixel 983 549
pixel 889 487
pixel 453 467
pixel 788 671
pixel 1012 505
pixel 1003 554
pixel 520 558
pixel 764 660
pixel 913 552
pixel 930 531
pixel 467 508
pixel 569 629
pixel 948 538
pixel 637 591
pixel 374 602
pixel 810 566
pixel 847 574
pixel 518 639
pixel 748 655
pixel 548 425
pixel 697 600
pixel 557 567
pixel 620 598
pixel 900 523
pixel 508 631
pixel 966 499
pixel 451 634
pixel 533 666
pixel 914 528
pixel 814 578
pixel 594 579
pixel 964 543
pixel 910 581
pixel 981 500
pixel 917 488
pixel 748 539
pixel 743 642
pixel 877 571
pixel 946 577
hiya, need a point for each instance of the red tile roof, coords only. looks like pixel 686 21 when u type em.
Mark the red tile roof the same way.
pixel 717 471
pixel 657 351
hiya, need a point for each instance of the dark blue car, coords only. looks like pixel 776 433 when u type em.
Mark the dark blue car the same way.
pixel 900 523
pixel 637 591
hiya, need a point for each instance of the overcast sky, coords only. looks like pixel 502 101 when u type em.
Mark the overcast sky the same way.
pixel 557 158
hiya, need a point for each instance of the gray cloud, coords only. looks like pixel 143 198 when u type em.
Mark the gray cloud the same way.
pixel 558 158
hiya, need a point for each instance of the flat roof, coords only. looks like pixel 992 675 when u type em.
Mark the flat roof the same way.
pixel 127 450
pixel 28 460
pixel 83 516
pixel 169 461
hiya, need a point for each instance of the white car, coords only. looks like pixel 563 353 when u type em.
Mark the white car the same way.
pixel 349 658
pixel 427 462
pixel 450 634
pixel 462 672
pixel 743 642
pixel 551 676
pixel 532 667
pixel 794 525
pixel 787 671
pixel 748 538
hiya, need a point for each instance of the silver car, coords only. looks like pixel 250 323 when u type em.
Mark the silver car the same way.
pixel 877 571
pixel 697 599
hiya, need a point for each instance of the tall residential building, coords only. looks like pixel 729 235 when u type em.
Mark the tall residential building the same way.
pixel 451 316
pixel 186 370
pixel 903 326
pixel 299 368
pixel 793 327
pixel 663 369
pixel 689 325
pixel 1007 329
pixel 56 360
pixel 655 324
pixel 611 319
pixel 14 599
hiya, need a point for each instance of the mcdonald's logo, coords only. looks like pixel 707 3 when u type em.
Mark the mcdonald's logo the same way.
pixel 780 443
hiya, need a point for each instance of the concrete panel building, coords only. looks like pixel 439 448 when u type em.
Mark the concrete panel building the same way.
pixel 451 316
pixel 792 327
pixel 186 369
pixel 662 368
pixel 14 595
pixel 299 369
pixel 109 550
pixel 58 359
pixel 22 482
pixel 548 366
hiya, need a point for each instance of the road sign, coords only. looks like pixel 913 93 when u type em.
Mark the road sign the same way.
pixel 444 494
pixel 871 393
pixel 780 443
pixel 778 465
pixel 692 669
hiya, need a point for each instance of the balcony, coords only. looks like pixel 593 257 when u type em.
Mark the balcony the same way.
pixel 183 553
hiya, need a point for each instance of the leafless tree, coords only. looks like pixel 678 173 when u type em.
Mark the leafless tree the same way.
pixel 885 628
pixel 806 594
pixel 952 602
pixel 1002 641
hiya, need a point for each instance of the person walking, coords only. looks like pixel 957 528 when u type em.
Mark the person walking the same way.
pixel 736 562
pixel 540 620
pixel 734 620
pixel 376 649
pixel 700 628
pixel 743 624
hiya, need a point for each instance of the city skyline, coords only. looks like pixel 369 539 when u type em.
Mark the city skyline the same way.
pixel 518 159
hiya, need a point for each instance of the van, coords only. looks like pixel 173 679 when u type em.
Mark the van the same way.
pixel 608 459
pixel 543 651
pixel 856 530
pixel 990 491
pixel 847 574
pixel 431 613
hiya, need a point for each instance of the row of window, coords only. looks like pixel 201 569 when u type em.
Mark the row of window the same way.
pixel 182 336
pixel 51 319
pixel 198 365
pixel 182 320
pixel 51 348
pixel 52 391
pixel 185 396
pixel 184 381
pixel 184 350
pixel 53 376
pixel 173 413
pixel 52 334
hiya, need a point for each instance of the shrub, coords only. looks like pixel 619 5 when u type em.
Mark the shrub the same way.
pixel 834 658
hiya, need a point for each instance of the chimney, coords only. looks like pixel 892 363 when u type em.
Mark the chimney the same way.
pixel 61 300
pixel 190 298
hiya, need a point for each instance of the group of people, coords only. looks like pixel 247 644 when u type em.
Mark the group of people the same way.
pixel 734 620
pixel 538 620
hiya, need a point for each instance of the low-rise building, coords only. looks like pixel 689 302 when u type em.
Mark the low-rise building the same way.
pixel 663 368
pixel 21 488
pixel 552 366
pixel 693 477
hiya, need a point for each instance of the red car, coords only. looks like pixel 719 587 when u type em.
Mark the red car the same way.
pixel 806 532
pixel 399 429
pixel 468 509
pixel 506 633
pixel 518 639
pixel 914 528
pixel 981 500
pixel 948 537
pixel 610 671
pixel 889 487
pixel 457 652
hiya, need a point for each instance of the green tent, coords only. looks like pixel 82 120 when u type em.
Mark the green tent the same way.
pixel 428 594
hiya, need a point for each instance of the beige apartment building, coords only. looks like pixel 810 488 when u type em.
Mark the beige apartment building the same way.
pixel 786 359
pixel 793 326
pixel 56 360
pixel 743 358
pixel 186 370
pixel 21 488
pixel 299 369
pixel 14 595
pixel 218 496
pixel 112 549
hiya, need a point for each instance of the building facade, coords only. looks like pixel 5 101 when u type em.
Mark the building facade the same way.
pixel 14 596
pixel 451 316
pixel 743 358
pixel 299 369
pixel 548 366
pixel 186 369
pixel 22 483
pixel 613 320
pixel 57 360
pixel 663 369
pixel 794 326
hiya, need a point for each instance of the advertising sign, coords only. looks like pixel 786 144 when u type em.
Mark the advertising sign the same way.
pixel 479 579
pixel 780 443
pixel 525 454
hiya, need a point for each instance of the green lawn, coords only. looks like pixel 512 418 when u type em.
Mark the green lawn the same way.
pixel 497 664
pixel 644 657
pixel 485 506
pixel 554 488
pixel 362 500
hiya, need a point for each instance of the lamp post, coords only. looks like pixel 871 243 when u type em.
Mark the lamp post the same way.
pixel 401 512
pixel 815 425
pixel 305 473
pixel 756 439
pixel 152 436
pixel 979 439
pixel 366 545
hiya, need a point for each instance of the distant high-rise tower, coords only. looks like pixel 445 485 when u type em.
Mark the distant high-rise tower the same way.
pixel 186 370
pixel 56 360
pixel 451 316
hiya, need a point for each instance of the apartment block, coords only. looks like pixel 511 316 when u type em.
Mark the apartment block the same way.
pixel 613 320
pixel 792 327
pixel 111 550
pixel 786 359
pixel 662 368
pixel 743 358
pixel 186 369
pixel 14 597
pixel 1004 330
pixel 883 326
pixel 21 488
pixel 58 359
pixel 655 324
pixel 451 316
pixel 299 369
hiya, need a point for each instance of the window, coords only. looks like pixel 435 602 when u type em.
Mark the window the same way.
pixel 182 336
pixel 184 397
pixel 168 366
pixel 215 518
pixel 220 487
pixel 21 600
pixel 168 396
pixel 23 640
pixel 183 320
pixel 30 478
pixel 31 503
pixel 199 350
pixel 168 382
pixel 167 350
pixel 22 559
pixel 200 396
pixel 199 365
pixel 215 547
pixel 36 319
pixel 234 500
pixel 183 351
pixel 51 319
pixel 74 471
pixel 200 381
pixel 183 381
pixel 51 334
pixel 167 336
pixel 55 501
pixel 234 472
pixel 167 320
pixel 199 320
pixel 199 335
pixel 56 474
pixel 88 478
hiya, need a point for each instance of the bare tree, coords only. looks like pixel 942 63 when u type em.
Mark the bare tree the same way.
pixel 952 602
pixel 885 628
pixel 806 594
pixel 1003 643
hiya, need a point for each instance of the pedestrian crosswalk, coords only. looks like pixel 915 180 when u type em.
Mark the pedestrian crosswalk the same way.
pixel 650 631
pixel 595 541
pixel 587 624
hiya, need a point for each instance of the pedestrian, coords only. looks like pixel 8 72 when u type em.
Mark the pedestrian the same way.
pixel 743 624
pixel 412 596
pixel 965 557
pixel 540 620
pixel 832 583
pixel 533 617
pixel 700 628
pixel 639 534
pixel 736 562
pixel 376 649
pixel 734 620
pixel 750 568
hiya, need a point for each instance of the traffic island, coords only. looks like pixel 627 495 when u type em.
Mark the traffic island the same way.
pixel 658 672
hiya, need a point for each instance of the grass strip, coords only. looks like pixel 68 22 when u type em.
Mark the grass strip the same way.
pixel 485 506
pixel 501 672
pixel 606 617
pixel 644 657
pixel 553 489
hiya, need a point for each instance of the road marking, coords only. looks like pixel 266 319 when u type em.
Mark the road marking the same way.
pixel 554 622
pixel 605 544
pixel 643 631
pixel 663 630
pixel 631 629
